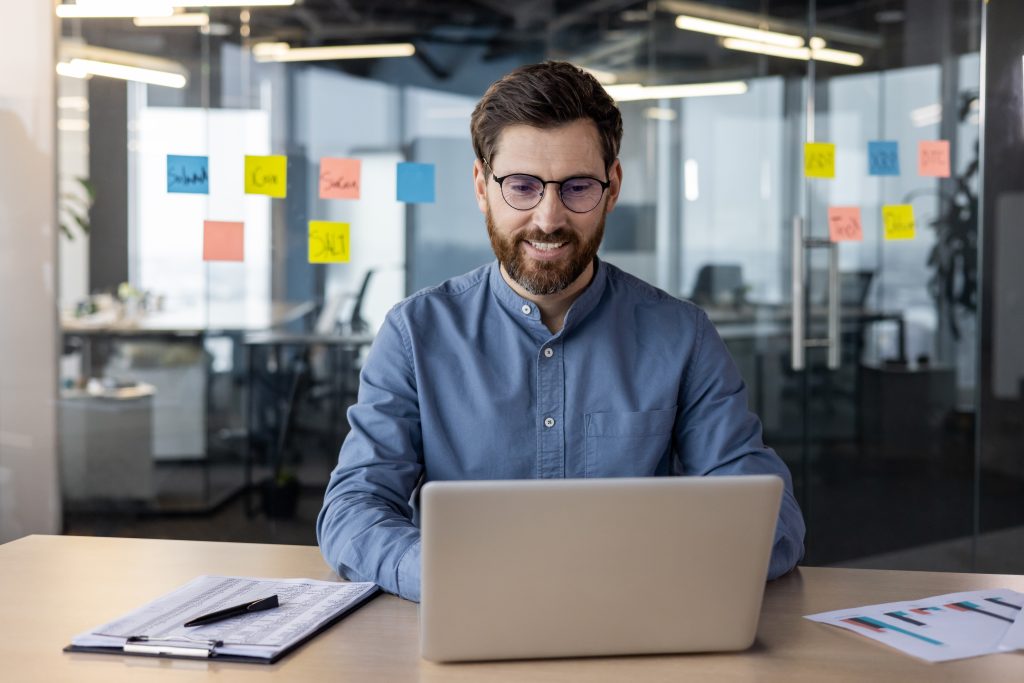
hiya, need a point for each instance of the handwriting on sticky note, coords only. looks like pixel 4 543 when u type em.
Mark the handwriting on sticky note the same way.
pixel 883 157
pixel 844 224
pixel 188 174
pixel 933 158
pixel 819 160
pixel 339 178
pixel 415 183
pixel 898 221
pixel 266 175
pixel 223 241
pixel 328 242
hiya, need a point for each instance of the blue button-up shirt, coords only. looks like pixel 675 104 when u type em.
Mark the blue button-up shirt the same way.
pixel 465 381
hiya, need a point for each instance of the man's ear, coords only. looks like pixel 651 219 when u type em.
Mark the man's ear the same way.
pixel 615 184
pixel 480 185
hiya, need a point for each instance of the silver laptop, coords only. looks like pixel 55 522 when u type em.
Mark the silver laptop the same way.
pixel 587 567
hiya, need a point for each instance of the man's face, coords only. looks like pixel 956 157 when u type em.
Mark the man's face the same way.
pixel 547 248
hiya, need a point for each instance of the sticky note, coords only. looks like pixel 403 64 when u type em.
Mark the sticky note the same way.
pixel 328 242
pixel 933 158
pixel 339 178
pixel 415 183
pixel 844 224
pixel 266 175
pixel 188 175
pixel 898 221
pixel 223 241
pixel 819 160
pixel 883 157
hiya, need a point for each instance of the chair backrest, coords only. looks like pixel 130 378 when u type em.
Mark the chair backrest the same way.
pixel 356 323
pixel 717 283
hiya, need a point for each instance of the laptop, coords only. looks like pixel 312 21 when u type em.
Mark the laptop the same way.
pixel 592 567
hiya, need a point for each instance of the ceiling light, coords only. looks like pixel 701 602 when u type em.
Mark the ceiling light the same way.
pixel 182 19
pixel 282 52
pixel 83 68
pixel 73 125
pixel 721 28
pixel 804 53
pixel 232 3
pixel 660 113
pixel 632 92
pixel 93 9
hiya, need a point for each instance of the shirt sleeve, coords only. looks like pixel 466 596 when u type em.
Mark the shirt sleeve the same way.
pixel 365 528
pixel 716 434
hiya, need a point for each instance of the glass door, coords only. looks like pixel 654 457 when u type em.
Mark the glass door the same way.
pixel 824 212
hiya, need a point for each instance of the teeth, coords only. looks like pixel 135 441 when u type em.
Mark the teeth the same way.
pixel 546 246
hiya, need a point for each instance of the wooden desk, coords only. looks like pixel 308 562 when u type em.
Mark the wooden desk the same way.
pixel 53 587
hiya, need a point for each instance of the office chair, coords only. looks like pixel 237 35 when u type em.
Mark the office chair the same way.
pixel 718 284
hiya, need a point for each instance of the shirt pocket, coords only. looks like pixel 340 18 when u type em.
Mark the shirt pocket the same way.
pixel 627 444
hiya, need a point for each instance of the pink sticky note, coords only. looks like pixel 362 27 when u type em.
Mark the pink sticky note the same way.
pixel 339 178
pixel 223 241
pixel 844 224
pixel 933 158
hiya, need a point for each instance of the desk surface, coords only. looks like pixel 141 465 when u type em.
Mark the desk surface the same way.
pixel 53 587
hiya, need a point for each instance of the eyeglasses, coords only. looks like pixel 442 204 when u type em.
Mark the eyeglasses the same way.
pixel 523 192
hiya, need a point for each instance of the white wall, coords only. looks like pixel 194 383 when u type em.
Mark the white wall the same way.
pixel 29 492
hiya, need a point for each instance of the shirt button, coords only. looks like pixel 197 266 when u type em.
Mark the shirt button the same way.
pixel 526 309
pixel 549 422
pixel 548 352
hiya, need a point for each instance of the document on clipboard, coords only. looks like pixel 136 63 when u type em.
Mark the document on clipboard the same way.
pixel 306 607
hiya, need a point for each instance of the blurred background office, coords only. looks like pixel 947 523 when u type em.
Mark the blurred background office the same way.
pixel 161 375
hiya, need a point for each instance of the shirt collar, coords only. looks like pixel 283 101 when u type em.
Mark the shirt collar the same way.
pixel 522 308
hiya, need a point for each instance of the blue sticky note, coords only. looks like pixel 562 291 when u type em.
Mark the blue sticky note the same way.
pixel 883 157
pixel 415 183
pixel 188 175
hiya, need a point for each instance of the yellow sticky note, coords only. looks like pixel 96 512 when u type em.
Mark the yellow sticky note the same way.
pixel 267 175
pixel 898 221
pixel 328 242
pixel 819 160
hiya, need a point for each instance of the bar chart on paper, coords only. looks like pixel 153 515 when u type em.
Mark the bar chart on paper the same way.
pixel 940 628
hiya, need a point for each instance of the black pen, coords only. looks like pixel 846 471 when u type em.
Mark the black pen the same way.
pixel 237 610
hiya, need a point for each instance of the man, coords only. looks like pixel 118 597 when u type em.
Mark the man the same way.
pixel 546 364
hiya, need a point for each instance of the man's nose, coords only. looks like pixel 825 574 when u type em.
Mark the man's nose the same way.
pixel 550 214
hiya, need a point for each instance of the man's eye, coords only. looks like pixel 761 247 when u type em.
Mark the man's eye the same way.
pixel 522 189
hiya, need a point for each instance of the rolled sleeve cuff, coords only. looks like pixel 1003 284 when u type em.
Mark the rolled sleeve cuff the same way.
pixel 407 576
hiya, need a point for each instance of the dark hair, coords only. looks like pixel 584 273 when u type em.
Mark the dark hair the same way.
pixel 545 95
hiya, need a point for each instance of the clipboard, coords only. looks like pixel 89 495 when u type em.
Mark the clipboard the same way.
pixel 207 650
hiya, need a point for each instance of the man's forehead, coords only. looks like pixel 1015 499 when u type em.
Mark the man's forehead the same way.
pixel 576 143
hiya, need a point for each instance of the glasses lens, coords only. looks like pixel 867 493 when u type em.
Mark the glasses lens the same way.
pixel 581 194
pixel 522 191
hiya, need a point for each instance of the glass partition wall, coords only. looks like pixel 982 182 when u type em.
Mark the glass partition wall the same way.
pixel 843 276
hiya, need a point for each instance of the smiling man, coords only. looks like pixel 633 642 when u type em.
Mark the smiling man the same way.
pixel 547 363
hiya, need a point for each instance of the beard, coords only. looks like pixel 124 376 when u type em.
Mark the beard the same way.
pixel 544 277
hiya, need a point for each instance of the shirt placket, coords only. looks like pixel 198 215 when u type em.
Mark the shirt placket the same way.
pixel 550 411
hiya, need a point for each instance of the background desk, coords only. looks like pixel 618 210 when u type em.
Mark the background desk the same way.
pixel 53 587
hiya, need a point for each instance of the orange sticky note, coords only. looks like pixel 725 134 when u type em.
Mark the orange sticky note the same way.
pixel 819 160
pixel 223 241
pixel 898 221
pixel 267 175
pixel 933 158
pixel 339 178
pixel 844 224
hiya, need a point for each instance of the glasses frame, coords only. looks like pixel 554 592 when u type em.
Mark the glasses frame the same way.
pixel 605 184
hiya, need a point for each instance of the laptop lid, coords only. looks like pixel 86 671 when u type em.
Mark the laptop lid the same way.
pixel 558 568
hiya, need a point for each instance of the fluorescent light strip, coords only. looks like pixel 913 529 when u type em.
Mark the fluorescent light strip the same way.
pixel 115 9
pixel 822 55
pixel 73 125
pixel 720 28
pixel 633 92
pixel 183 19
pixel 281 52
pixel 73 103
pixel 82 68
pixel 232 3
